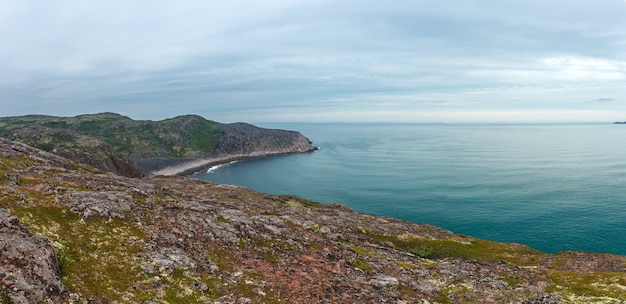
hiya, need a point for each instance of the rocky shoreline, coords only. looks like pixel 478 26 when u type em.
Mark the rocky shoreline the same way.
pixel 189 166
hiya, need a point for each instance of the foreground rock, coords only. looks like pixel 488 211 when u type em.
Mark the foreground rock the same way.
pixel 179 240
pixel 29 271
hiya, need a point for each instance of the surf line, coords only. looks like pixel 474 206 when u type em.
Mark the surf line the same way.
pixel 213 168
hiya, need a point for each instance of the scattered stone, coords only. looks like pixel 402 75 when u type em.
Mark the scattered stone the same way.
pixel 13 177
pixel 148 268
pixel 168 259
pixel 244 301
pixel 381 281
pixel 324 230
pixel 545 298
pixel 200 286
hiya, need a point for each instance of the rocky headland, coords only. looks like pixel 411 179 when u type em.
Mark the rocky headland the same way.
pixel 70 233
pixel 133 148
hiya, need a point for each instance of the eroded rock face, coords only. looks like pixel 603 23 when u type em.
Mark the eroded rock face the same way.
pixel 29 271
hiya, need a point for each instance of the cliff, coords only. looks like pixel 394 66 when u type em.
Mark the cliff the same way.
pixel 70 233
pixel 118 144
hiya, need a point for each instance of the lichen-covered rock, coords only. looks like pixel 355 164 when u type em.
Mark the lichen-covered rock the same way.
pixel 179 240
pixel 381 281
pixel 105 204
pixel 168 259
pixel 29 271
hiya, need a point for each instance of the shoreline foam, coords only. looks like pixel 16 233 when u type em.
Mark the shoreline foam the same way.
pixel 190 166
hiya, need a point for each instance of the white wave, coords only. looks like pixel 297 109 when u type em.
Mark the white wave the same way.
pixel 213 168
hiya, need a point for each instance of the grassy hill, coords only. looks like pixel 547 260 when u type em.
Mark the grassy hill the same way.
pixel 109 141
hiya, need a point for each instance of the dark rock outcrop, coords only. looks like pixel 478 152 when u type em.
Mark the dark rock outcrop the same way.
pixel 246 139
pixel 29 271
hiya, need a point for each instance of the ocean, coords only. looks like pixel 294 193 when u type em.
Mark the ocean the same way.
pixel 552 187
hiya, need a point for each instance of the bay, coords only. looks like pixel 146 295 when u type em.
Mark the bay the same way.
pixel 552 187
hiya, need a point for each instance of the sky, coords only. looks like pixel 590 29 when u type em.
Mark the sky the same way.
pixel 439 61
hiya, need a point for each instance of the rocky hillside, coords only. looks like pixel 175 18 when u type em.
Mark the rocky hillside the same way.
pixel 118 144
pixel 73 234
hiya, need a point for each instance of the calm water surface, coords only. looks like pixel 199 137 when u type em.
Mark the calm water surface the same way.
pixel 553 187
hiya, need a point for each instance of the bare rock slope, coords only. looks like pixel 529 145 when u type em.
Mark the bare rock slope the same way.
pixel 180 240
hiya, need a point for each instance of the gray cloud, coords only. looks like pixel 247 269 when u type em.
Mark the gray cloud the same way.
pixel 266 61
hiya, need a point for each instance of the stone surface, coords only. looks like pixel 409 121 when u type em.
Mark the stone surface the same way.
pixel 29 272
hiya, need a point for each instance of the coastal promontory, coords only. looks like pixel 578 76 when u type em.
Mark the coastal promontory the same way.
pixel 119 144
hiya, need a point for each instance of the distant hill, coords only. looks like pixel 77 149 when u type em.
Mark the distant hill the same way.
pixel 116 143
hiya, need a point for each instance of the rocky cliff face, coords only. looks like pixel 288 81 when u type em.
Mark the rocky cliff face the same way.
pixel 118 144
pixel 246 139
pixel 180 240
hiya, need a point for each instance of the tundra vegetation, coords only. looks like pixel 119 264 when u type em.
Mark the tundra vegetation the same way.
pixel 70 233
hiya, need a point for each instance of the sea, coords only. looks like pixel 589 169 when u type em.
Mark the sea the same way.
pixel 553 187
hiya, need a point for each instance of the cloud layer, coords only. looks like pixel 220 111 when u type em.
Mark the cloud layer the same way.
pixel 414 61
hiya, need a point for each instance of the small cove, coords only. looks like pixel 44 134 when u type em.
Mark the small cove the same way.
pixel 552 187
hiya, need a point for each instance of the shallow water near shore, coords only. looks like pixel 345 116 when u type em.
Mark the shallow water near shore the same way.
pixel 552 187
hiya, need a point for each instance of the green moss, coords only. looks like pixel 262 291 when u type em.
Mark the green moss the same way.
pixel 4 178
pixel 291 225
pixel 98 257
pixel 361 251
pixel 223 219
pixel 139 198
pixel 179 288
pixel 407 265
pixel 511 281
pixel 465 247
pixel 20 162
pixel 30 181
pixel 359 264
pixel 599 284
pixel 294 201
pixel 266 247
pixel 422 251
pixel 223 258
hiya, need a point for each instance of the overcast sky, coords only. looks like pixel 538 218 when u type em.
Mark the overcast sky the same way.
pixel 339 60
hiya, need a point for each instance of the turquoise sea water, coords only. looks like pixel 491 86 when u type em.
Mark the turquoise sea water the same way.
pixel 552 187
